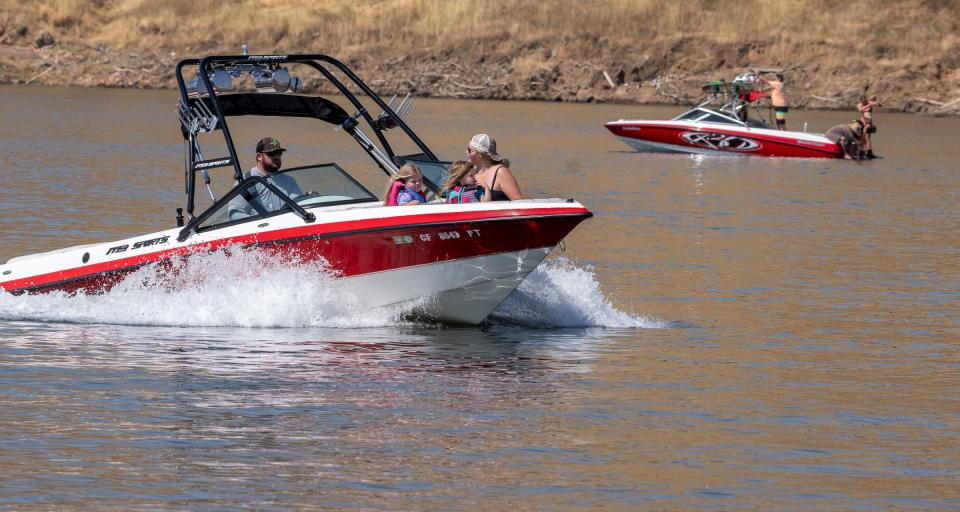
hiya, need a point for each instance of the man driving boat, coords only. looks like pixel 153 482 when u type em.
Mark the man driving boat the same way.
pixel 260 199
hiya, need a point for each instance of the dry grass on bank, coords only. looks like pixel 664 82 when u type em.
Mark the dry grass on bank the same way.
pixel 883 26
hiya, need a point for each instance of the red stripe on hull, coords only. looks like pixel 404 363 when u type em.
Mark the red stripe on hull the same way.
pixel 767 145
pixel 353 247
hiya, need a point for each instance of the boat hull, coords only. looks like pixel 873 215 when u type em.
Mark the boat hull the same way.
pixel 720 139
pixel 465 259
pixel 471 289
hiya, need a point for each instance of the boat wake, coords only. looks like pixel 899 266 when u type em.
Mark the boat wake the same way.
pixel 260 290
pixel 559 294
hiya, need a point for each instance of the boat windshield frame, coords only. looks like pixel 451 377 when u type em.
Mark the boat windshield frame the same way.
pixel 311 198
pixel 707 115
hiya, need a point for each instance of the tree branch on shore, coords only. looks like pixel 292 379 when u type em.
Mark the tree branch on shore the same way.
pixel 470 87
pixel 50 66
pixel 824 98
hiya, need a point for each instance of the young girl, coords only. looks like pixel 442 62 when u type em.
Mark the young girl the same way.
pixel 406 187
pixel 461 184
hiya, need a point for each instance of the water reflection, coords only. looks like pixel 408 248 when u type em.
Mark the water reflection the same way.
pixel 269 414
pixel 767 334
pixel 302 353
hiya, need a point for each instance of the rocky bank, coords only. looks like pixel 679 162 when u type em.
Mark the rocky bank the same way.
pixel 670 72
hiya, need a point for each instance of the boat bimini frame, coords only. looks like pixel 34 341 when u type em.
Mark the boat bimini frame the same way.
pixel 203 108
pixel 724 102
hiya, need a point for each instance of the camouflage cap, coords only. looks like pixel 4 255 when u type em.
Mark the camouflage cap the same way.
pixel 269 145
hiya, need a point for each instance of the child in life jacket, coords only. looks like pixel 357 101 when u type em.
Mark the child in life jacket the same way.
pixel 461 183
pixel 406 187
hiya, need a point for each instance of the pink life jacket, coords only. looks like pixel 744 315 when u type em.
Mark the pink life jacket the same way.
pixel 394 192
pixel 460 194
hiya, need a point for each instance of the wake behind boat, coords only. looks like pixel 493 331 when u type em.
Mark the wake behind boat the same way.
pixel 719 125
pixel 466 258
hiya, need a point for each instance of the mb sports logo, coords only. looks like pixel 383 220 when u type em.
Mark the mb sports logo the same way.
pixel 720 141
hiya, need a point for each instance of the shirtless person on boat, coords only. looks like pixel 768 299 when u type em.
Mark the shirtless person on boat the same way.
pixel 269 160
pixel 778 98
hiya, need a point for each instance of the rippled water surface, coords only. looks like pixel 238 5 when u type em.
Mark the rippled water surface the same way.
pixel 725 334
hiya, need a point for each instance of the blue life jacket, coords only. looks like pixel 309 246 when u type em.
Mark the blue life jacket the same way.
pixel 417 196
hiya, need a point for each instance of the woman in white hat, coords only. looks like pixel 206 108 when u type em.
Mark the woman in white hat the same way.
pixel 493 173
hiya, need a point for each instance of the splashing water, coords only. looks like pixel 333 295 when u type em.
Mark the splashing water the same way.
pixel 251 288
pixel 245 288
pixel 558 294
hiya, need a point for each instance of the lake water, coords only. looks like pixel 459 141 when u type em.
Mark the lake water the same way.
pixel 724 334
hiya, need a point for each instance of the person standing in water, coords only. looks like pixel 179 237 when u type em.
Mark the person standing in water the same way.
pixel 865 107
pixel 778 98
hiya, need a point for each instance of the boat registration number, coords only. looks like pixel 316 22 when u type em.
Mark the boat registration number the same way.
pixel 441 235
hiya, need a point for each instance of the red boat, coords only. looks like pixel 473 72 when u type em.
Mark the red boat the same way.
pixel 463 258
pixel 720 125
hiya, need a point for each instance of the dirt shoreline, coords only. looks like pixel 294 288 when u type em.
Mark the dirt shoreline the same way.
pixel 655 77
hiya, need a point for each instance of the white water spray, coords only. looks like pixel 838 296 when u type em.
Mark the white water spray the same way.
pixel 558 294
pixel 250 288
pixel 244 288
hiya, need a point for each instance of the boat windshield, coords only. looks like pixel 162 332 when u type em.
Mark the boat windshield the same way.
pixel 724 114
pixel 434 171
pixel 309 186
pixel 702 115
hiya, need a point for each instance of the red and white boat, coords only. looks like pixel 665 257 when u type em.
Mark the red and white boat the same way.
pixel 719 125
pixel 465 258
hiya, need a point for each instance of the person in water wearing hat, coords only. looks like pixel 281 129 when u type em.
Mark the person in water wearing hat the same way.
pixel 865 107
pixel 493 173
pixel 849 137
pixel 260 199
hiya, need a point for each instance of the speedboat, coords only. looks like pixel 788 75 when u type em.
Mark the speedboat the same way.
pixel 458 262
pixel 720 124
